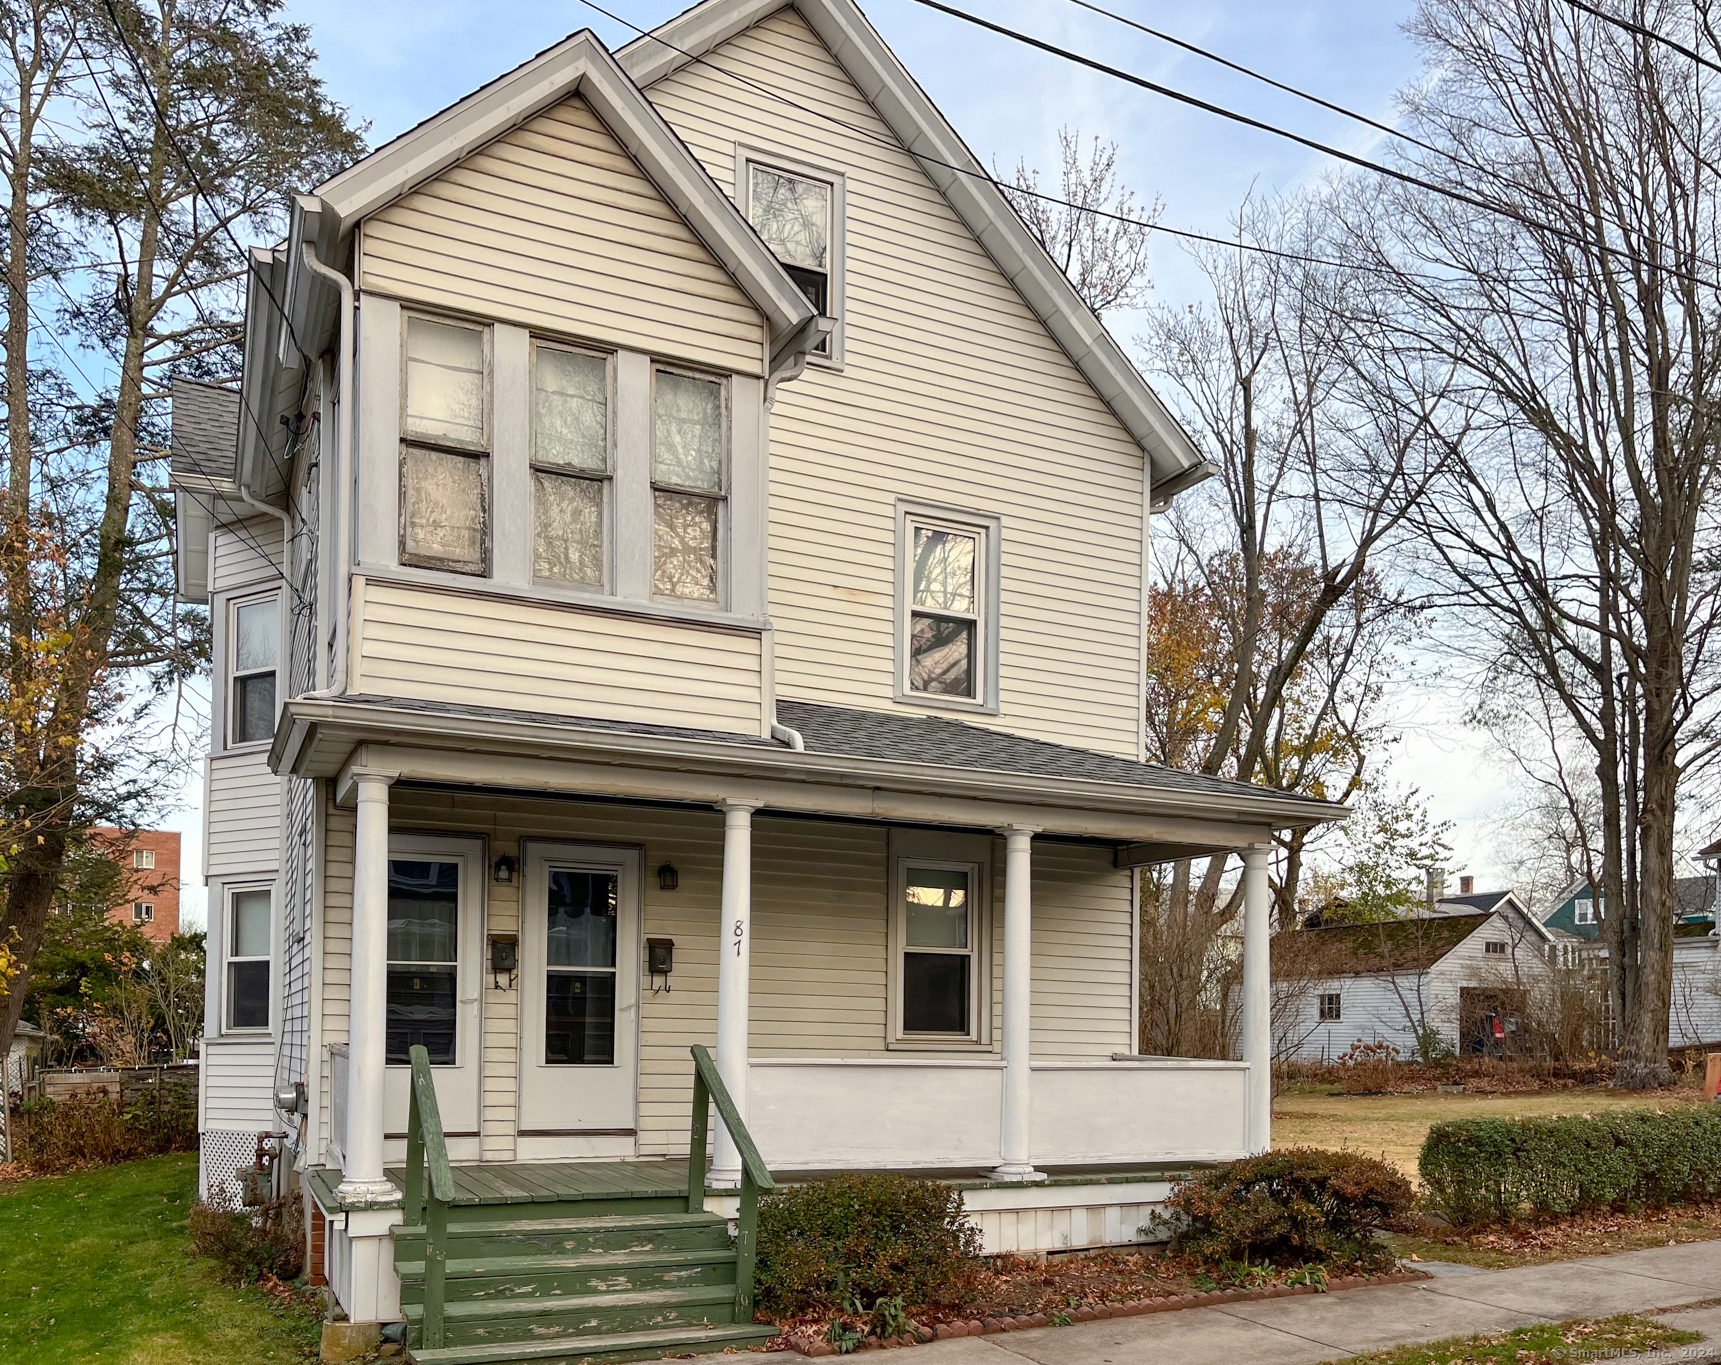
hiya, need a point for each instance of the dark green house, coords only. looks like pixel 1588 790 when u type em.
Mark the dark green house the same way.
pixel 1581 910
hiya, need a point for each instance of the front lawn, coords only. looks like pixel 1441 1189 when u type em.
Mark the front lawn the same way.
pixel 97 1267
pixel 1553 1343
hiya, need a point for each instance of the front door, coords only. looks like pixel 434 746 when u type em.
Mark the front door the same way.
pixel 579 999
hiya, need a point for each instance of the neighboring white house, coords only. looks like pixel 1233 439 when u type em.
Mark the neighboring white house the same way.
pixel 1456 969
pixel 677 566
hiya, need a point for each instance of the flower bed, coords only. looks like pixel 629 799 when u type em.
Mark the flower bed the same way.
pixel 810 1338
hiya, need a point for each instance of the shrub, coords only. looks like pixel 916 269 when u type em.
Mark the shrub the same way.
pixel 862 1238
pixel 250 1243
pixel 1300 1206
pixel 1367 1068
pixel 93 1129
pixel 1477 1171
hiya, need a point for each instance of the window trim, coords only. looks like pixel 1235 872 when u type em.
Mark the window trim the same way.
pixel 470 851
pixel 748 155
pixel 723 499
pixel 143 912
pixel 230 894
pixel 925 849
pixel 988 527
pixel 230 651
pixel 1494 947
pixel 606 479
pixel 1579 905
pixel 143 860
pixel 484 453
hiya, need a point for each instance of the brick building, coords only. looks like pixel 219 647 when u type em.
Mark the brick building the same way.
pixel 150 857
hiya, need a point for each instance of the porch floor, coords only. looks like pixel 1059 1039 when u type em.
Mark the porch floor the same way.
pixel 545 1182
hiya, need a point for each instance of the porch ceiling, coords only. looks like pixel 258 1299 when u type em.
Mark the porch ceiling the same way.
pixel 1073 792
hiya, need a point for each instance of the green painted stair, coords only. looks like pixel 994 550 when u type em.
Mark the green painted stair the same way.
pixel 532 1286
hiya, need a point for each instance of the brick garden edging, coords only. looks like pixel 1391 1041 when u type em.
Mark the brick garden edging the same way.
pixel 809 1345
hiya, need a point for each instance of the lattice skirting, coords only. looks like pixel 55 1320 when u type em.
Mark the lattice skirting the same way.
pixel 222 1155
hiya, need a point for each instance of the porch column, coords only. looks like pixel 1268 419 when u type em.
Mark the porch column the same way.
pixel 1014 1138
pixel 1258 996
pixel 734 958
pixel 367 1046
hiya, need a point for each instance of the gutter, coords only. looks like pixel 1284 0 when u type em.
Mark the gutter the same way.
pixel 342 492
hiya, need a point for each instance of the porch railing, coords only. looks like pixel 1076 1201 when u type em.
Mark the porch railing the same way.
pixel 708 1089
pixel 426 1201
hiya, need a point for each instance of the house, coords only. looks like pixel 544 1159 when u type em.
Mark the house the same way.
pixel 1457 972
pixel 29 1047
pixel 149 863
pixel 1580 911
pixel 677 563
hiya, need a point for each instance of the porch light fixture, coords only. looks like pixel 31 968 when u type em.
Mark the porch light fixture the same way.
pixel 667 877
pixel 503 873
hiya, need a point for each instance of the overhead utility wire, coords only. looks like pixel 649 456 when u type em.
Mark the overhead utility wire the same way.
pixel 1230 243
pixel 1350 157
pixel 1639 30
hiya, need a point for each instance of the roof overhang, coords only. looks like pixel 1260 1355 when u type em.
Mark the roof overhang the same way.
pixel 1174 463
pixel 323 738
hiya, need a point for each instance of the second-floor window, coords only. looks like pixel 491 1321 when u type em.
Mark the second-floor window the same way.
pixel 1584 911
pixel 949 611
pixel 143 859
pixel 248 960
pixel 689 477
pixel 793 214
pixel 255 640
pixel 571 465
pixel 142 912
pixel 444 467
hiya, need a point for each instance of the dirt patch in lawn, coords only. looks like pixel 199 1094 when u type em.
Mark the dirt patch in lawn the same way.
pixel 1392 1127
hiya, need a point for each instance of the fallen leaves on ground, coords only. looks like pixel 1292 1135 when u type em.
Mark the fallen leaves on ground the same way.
pixel 1544 1344
pixel 1561 1239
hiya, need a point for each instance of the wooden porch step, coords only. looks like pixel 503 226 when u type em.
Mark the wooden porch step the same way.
pixel 573 1319
pixel 527 1234
pixel 520 1276
pixel 600 1350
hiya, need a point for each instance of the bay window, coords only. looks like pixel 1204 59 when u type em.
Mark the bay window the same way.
pixel 570 465
pixel 248 953
pixel 444 468
pixel 689 459
pixel 254 629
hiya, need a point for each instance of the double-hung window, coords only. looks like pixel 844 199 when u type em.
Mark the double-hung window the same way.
pixel 1331 1007
pixel 571 465
pixel 248 935
pixel 143 859
pixel 254 635
pixel 948 619
pixel 794 215
pixel 689 480
pixel 444 466
pixel 423 957
pixel 938 935
pixel 1584 911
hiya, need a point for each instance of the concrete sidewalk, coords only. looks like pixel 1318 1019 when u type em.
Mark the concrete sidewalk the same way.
pixel 1321 1327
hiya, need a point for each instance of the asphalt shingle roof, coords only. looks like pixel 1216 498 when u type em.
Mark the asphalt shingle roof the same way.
pixel 1481 900
pixel 1400 945
pixel 205 430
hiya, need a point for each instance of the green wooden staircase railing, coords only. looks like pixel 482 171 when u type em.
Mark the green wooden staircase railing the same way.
pixel 576 1279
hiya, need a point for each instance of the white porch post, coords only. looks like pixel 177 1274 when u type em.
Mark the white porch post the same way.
pixel 1257 997
pixel 734 956
pixel 1015 1137
pixel 367 1047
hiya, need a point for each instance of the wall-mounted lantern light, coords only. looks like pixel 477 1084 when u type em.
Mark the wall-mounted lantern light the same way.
pixel 667 877
pixel 503 874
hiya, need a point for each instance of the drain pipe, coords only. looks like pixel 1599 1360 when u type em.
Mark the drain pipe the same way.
pixel 338 478
pixel 784 735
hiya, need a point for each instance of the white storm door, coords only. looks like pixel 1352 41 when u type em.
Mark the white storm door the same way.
pixel 579 990
pixel 435 937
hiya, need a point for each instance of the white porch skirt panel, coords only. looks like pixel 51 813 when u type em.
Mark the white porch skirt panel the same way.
pixel 222 1154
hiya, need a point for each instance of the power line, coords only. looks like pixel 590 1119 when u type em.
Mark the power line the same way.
pixel 1349 157
pixel 1004 188
pixel 1639 30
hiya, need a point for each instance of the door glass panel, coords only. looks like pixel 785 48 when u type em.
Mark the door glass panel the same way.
pixel 580 975
pixel 423 949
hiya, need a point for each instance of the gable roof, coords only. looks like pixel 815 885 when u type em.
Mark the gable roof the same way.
pixel 1173 461
pixel 1403 945
pixel 1481 900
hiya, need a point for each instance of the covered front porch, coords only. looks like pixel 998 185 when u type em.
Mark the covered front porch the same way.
pixel 790 907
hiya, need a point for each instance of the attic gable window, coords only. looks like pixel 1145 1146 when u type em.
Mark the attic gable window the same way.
pixel 444 468
pixel 798 214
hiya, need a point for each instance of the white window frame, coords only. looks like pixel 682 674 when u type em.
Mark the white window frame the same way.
pixel 972 853
pixel 747 157
pixel 1338 1007
pixel 484 450
pixel 1584 910
pixel 1494 947
pixel 229 898
pixel 143 859
pixel 143 912
pixel 723 499
pixel 987 573
pixel 232 676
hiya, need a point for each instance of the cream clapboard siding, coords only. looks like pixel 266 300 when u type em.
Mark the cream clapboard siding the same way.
pixel 553 226
pixel 337 938
pixel 248 553
pixel 953 393
pixel 244 818
pixel 238 1075
pixel 532 656
pixel 819 942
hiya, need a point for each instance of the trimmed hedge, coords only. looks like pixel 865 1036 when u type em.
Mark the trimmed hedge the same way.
pixel 1300 1206
pixel 1479 1171
pixel 828 1244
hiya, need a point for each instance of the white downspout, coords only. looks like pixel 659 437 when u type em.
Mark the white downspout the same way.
pixel 342 500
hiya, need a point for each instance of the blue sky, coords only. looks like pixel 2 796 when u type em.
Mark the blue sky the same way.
pixel 393 63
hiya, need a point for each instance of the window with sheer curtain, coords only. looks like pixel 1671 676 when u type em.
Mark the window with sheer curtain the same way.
pixel 444 468
pixel 571 465
pixel 689 478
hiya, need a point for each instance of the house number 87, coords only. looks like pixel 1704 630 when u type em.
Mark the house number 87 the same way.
pixel 740 932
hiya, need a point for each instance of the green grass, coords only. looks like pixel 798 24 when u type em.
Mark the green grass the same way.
pixel 97 1267
pixel 1552 1343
